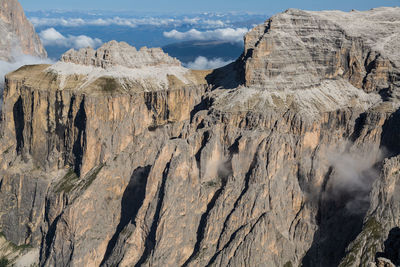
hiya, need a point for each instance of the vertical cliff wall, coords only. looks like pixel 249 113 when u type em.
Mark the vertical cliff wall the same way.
pixel 286 157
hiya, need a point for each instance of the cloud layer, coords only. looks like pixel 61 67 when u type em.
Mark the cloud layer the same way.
pixel 226 34
pixel 129 22
pixel 202 63
pixel 52 37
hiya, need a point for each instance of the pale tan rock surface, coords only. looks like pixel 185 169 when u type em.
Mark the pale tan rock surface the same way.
pixel 141 162
pixel 17 34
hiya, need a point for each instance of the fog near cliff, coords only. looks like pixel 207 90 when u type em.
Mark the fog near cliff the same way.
pixel 19 61
pixel 353 174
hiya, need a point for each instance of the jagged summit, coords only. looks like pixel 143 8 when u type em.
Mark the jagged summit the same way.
pixel 315 62
pixel 131 70
pixel 17 33
pixel 116 53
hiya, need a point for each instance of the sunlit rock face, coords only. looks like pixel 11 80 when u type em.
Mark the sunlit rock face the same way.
pixel 287 156
pixel 17 34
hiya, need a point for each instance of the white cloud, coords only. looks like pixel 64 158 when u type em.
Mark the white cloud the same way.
pixel 226 34
pixel 52 37
pixel 130 22
pixel 202 63
pixel 19 61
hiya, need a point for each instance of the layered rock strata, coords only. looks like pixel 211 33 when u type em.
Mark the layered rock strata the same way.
pixel 286 157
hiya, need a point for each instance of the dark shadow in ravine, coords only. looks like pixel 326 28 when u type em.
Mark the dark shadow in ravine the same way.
pixel 80 142
pixel 391 135
pixel 132 201
pixel 18 113
pixel 337 226
pixel 228 77
pixel 392 247
pixel 150 241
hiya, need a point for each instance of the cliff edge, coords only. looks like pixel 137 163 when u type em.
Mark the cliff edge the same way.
pixel 287 157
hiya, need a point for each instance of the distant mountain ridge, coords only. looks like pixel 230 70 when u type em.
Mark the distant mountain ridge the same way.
pixel 18 35
pixel 188 51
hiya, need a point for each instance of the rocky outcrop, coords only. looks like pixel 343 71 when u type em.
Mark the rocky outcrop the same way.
pixel 119 157
pixel 122 54
pixel 17 34
pixel 299 49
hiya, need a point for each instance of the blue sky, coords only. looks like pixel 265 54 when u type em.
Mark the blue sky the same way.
pixel 184 6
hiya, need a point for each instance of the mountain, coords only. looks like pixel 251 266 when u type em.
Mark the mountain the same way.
pixel 288 156
pixel 18 34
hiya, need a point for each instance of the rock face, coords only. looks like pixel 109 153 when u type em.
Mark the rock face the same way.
pixel 17 33
pixel 287 157
pixel 122 54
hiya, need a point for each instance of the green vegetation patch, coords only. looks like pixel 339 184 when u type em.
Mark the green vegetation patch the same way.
pixel 15 247
pixel 372 232
pixel 92 176
pixel 373 228
pixel 4 262
pixel 68 182
pixel 8 150
pixel 108 85
pixel 71 181
pixel 213 183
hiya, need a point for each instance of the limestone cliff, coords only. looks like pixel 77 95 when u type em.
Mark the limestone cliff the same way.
pixel 17 33
pixel 286 157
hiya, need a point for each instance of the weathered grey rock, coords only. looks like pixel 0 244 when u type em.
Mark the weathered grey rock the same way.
pixel 139 163
pixel 299 49
pixel 17 34
pixel 114 53
pixel 382 262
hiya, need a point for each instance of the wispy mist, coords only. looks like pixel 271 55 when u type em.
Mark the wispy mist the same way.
pixel 202 63
pixel 352 177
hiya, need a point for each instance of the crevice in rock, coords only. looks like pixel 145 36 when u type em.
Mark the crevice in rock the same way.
pixel 80 142
pixel 392 245
pixel 205 104
pixel 237 202
pixel 203 222
pixel 232 237
pixel 244 238
pixel 206 137
pixel 30 122
pixel 390 135
pixel 358 126
pixel 233 149
pixel 19 121
pixel 150 241
pixel 132 201
pixel 48 240
pixel 60 127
